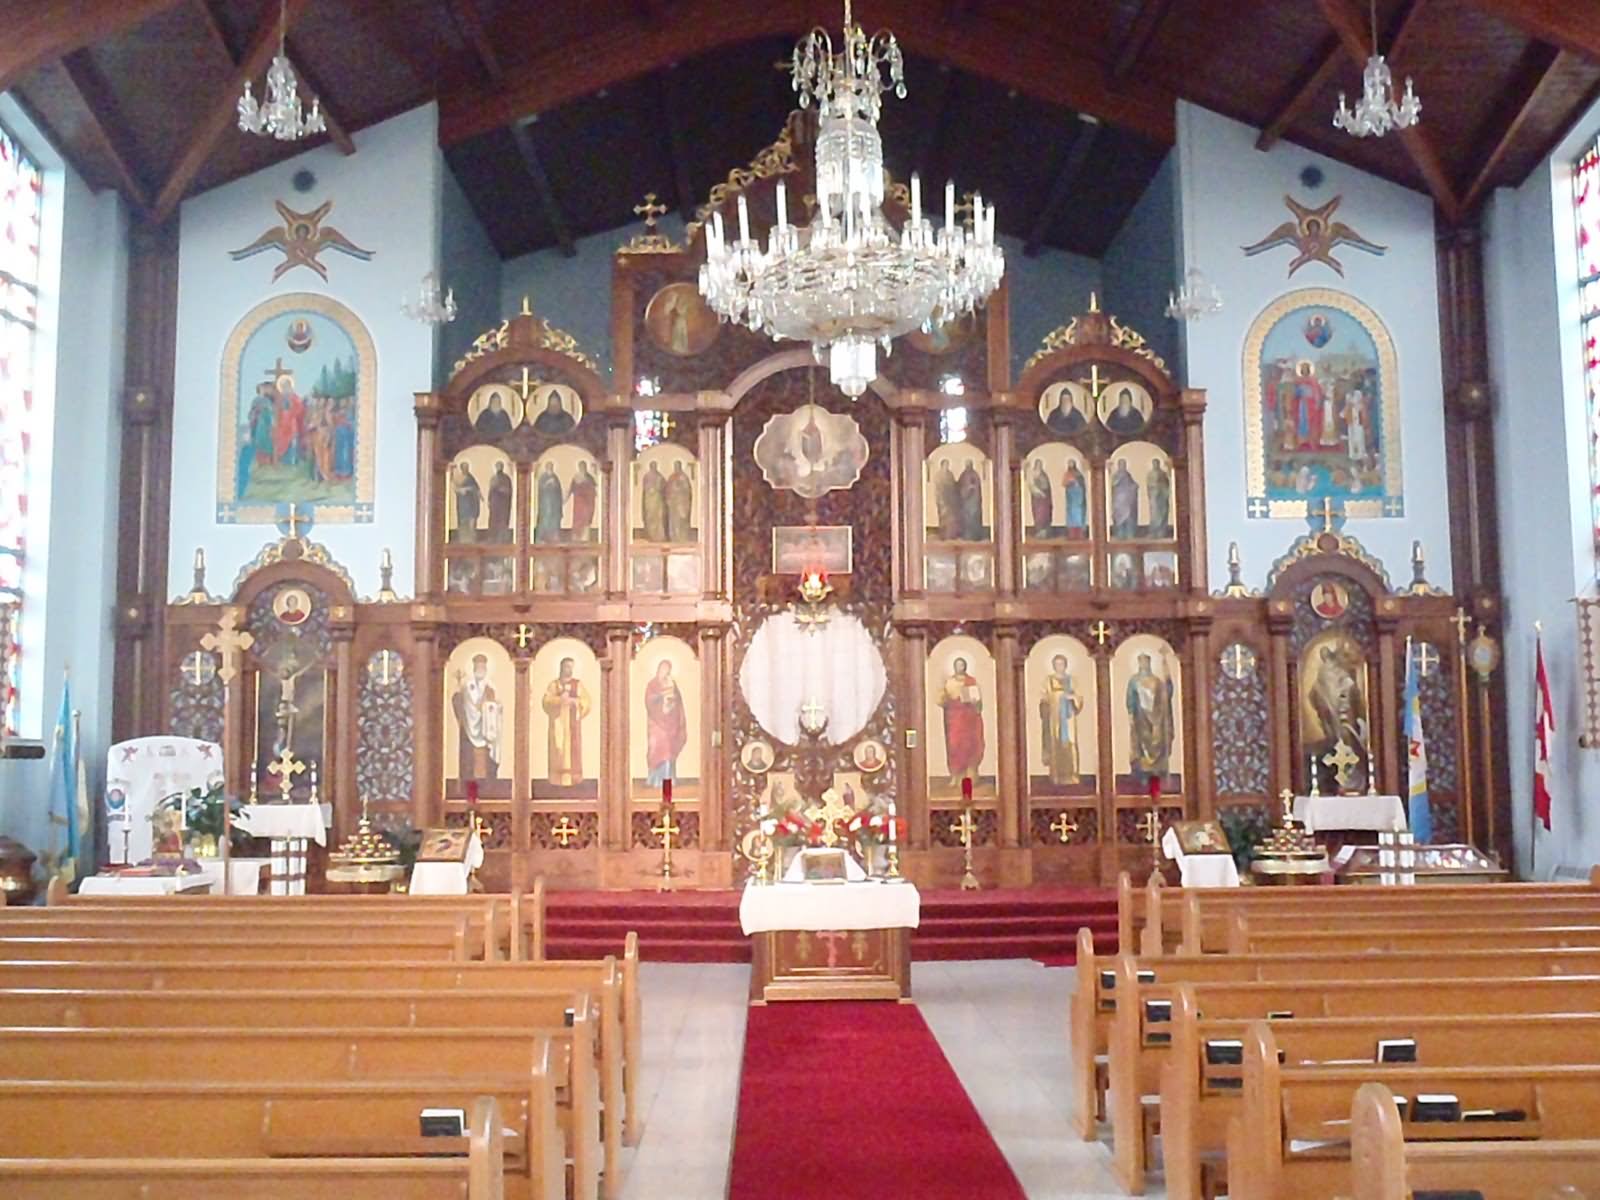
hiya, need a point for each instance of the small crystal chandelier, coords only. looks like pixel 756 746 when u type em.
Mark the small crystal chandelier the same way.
pixel 1376 112
pixel 428 308
pixel 1198 297
pixel 281 116
pixel 849 282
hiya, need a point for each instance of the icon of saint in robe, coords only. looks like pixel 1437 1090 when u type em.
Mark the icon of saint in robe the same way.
pixel 947 502
pixel 555 420
pixel 566 702
pixel 679 494
pixel 1124 502
pixel 1158 483
pixel 1040 499
pixel 583 491
pixel 653 503
pixel 1075 490
pixel 1058 723
pixel 1340 706
pixel 501 490
pixel 1149 702
pixel 478 716
pixel 547 516
pixel 1127 417
pixel 962 701
pixel 971 488
pixel 1065 418
pixel 666 726
pixel 469 503
pixel 493 420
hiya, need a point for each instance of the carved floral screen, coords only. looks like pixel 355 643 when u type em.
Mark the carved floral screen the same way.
pixel 1586 203
pixel 21 195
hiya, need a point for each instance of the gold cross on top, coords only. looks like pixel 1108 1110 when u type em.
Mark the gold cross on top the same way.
pixel 525 384
pixel 650 210
pixel 1097 385
pixel 386 660
pixel 1238 660
pixel 1462 622
pixel 1150 826
pixel 228 640
pixel 523 636
pixel 286 766
pixel 1063 827
pixel 1427 660
pixel 965 827
pixel 195 666
pixel 1341 759
pixel 666 829
pixel 1100 631
pixel 828 813
pixel 564 831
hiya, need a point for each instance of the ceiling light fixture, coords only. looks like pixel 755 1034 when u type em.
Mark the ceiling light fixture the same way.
pixel 1377 112
pixel 280 115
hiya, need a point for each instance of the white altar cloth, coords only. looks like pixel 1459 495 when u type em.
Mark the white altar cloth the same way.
pixel 243 875
pixel 139 775
pixel 290 826
pixel 1200 870
pixel 446 878
pixel 767 908
pixel 1383 814
pixel 143 885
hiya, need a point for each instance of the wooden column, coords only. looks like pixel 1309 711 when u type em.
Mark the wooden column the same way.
pixel 1384 715
pixel 914 670
pixel 1106 771
pixel 713 750
pixel 616 468
pixel 1471 485
pixel 427 689
pixel 339 751
pixel 715 497
pixel 912 449
pixel 1280 672
pixel 616 783
pixel 522 769
pixel 145 483
pixel 1007 527
pixel 1012 741
pixel 428 577
pixel 1199 793
pixel 1194 489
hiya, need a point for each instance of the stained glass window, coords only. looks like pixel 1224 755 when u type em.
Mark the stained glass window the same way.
pixel 952 425
pixel 1586 200
pixel 650 425
pixel 21 195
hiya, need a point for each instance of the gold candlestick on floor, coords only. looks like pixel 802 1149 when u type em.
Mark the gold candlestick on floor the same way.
pixel 666 829
pixel 964 829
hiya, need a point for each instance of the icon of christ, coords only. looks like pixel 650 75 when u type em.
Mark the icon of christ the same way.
pixel 962 701
pixel 566 703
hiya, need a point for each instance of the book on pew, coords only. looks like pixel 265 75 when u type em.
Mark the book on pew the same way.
pixel 1437 1106
pixel 1397 1050
pixel 444 1122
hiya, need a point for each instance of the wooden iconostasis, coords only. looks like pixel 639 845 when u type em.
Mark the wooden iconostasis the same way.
pixel 607 597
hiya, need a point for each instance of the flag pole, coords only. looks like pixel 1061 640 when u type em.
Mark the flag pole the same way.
pixel 1533 815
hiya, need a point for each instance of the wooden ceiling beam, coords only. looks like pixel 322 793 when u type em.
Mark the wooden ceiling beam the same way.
pixel 1061 187
pixel 523 136
pixel 671 102
pixel 476 34
pixel 1351 27
pixel 1140 34
pixel 219 34
pixel 1543 63
pixel 106 126
pixel 222 108
pixel 1567 24
pixel 41 31
pixel 1042 67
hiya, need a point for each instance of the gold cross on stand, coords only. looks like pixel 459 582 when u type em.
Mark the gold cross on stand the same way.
pixel 525 384
pixel 1327 514
pixel 1063 827
pixel 964 829
pixel 228 640
pixel 564 831
pixel 195 666
pixel 1150 826
pixel 523 636
pixel 650 210
pixel 1100 631
pixel 831 810
pixel 1096 384
pixel 1461 621
pixel 666 829
pixel 1341 759
pixel 286 766
pixel 1427 660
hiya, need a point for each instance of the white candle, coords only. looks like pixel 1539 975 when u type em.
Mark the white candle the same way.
pixel 199 558
pixel 916 199
pixel 950 205
pixel 744 221
pixel 716 228
pixel 783 205
pixel 891 822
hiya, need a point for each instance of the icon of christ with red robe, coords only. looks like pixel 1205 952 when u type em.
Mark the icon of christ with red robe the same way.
pixel 566 702
pixel 962 701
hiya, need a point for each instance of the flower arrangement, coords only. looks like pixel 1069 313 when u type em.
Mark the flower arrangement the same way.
pixel 196 819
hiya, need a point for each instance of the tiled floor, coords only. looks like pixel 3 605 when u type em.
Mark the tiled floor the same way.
pixel 1002 1025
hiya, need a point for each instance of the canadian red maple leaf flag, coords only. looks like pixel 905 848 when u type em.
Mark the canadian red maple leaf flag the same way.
pixel 1544 730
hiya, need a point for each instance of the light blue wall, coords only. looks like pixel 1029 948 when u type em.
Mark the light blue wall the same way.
pixel 386 199
pixel 469 265
pixel 1546 544
pixel 1232 195
pixel 575 293
pixel 1141 265
pixel 78 451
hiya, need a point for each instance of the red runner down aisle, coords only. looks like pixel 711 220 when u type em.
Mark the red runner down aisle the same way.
pixel 848 1100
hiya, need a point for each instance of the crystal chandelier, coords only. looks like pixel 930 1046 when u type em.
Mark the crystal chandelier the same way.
pixel 848 282
pixel 1376 112
pixel 428 308
pixel 1198 297
pixel 281 115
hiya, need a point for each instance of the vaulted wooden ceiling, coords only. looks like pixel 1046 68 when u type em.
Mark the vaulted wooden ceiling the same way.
pixel 557 116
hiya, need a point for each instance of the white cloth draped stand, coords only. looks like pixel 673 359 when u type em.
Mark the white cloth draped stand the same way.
pixel 766 908
pixel 447 878
pixel 290 827
pixel 1379 814
pixel 1200 870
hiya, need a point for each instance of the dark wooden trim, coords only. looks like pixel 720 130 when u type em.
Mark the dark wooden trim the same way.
pixel 1563 23
pixel 559 225
pixel 1140 34
pixel 41 31
pixel 1308 84
pixel 469 20
pixel 1541 64
pixel 106 126
pixel 145 483
pixel 1072 164
pixel 677 140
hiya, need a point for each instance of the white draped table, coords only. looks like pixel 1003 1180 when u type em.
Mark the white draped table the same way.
pixel 289 827
pixel 115 884
pixel 1200 870
pixel 446 878
pixel 1381 814
pixel 830 941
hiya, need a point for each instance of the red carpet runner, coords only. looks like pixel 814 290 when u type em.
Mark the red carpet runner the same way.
pixel 855 1101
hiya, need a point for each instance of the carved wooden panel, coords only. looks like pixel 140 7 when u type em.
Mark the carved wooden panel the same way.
pixel 387 731
pixel 1241 762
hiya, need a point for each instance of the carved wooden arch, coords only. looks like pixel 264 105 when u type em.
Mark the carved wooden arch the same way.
pixel 1045 370
pixel 297 570
pixel 792 360
pixel 591 389
pixel 1288 582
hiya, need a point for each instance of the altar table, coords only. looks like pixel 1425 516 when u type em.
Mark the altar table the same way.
pixel 446 878
pixel 289 827
pixel 115 884
pixel 1382 814
pixel 830 941
pixel 1200 870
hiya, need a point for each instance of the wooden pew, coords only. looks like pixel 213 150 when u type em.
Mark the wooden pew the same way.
pixel 1387 1167
pixel 1412 940
pixel 620 978
pixel 1291 1138
pixel 285 1046
pixel 267 949
pixel 1196 918
pixel 1198 1097
pixel 156 1118
pixel 480 1175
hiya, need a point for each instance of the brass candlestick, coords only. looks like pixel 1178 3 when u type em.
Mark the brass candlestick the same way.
pixel 964 829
